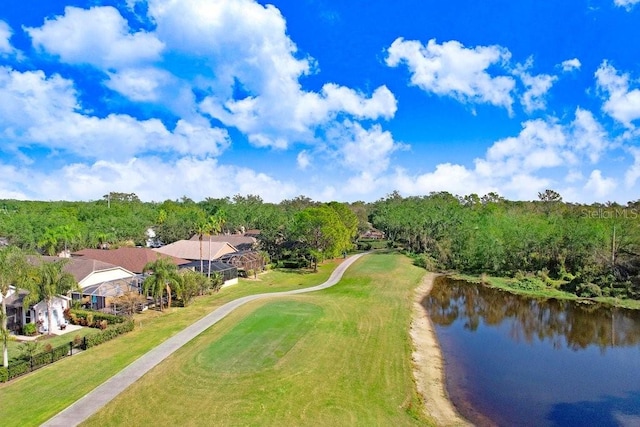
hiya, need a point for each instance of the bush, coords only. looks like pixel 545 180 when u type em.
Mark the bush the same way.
pixel 18 369
pixel 109 333
pixel 529 283
pixel 4 374
pixel 92 318
pixel 589 290
pixel 425 261
pixel 29 329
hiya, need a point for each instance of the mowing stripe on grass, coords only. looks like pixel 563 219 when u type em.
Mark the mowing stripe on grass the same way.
pixel 262 338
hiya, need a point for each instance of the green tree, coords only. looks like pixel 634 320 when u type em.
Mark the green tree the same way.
pixel 192 284
pixel 164 276
pixel 13 273
pixel 322 232
pixel 49 281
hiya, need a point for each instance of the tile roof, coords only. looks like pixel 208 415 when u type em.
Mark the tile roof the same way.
pixel 239 241
pixel 133 259
pixel 78 267
pixel 190 249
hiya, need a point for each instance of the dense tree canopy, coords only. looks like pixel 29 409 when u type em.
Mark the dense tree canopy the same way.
pixel 584 245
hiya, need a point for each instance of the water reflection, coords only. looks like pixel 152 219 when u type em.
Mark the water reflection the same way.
pixel 563 323
pixel 511 360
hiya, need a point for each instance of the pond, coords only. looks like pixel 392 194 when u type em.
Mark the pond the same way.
pixel 516 361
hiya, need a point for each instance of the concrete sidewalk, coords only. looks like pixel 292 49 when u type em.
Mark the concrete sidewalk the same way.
pixel 107 391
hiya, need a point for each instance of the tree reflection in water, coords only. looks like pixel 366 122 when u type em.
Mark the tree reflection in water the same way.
pixel 575 325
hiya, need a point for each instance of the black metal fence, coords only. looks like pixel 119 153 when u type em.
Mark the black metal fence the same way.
pixel 44 358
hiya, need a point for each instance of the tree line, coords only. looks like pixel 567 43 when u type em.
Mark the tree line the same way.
pixel 299 230
pixel 590 250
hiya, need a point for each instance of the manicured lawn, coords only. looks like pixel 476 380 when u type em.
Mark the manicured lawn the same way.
pixel 34 398
pixel 54 340
pixel 337 357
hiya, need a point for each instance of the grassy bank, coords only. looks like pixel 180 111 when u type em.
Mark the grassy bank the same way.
pixel 524 287
pixel 34 398
pixel 336 357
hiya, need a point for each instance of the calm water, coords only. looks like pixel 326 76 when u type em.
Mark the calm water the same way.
pixel 514 361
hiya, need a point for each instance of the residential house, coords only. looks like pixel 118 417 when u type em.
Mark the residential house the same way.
pixel 192 250
pixel 238 241
pixel 131 259
pixel 99 281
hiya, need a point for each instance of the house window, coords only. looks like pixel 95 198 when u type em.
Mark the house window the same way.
pixel 27 316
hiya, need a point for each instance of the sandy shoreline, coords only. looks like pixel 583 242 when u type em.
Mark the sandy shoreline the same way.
pixel 428 364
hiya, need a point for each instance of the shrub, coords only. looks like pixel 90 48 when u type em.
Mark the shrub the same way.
pixel 589 290
pixel 18 369
pixel 4 374
pixel 28 349
pixel 103 324
pixel 109 333
pixel 48 347
pixel 29 329
pixel 93 318
pixel 77 340
pixel 425 261
pixel 529 283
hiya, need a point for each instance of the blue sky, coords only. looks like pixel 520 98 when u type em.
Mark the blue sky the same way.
pixel 335 100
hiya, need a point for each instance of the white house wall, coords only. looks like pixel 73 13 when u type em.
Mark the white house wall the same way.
pixel 59 304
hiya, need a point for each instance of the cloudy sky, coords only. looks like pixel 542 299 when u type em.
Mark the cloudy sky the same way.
pixel 332 99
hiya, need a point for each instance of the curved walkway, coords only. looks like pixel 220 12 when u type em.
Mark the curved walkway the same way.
pixel 107 391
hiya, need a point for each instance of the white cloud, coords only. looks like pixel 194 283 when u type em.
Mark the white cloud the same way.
pixel 453 70
pixel 633 173
pixel 303 160
pixel 627 4
pixel 521 166
pixel 140 84
pixel 363 183
pixel 571 64
pixel 363 150
pixel 98 36
pixel 235 53
pixel 456 179
pixel 536 87
pixel 245 49
pixel 150 178
pixel 620 103
pixel 36 110
pixel 599 185
pixel 5 36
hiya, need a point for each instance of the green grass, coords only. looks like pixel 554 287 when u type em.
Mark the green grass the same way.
pixel 336 357
pixel 40 395
pixel 54 340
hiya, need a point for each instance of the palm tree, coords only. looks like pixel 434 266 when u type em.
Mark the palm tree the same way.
pixel 214 225
pixel 164 275
pixel 13 272
pixel 201 229
pixel 49 241
pixel 50 280
pixel 193 283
